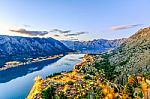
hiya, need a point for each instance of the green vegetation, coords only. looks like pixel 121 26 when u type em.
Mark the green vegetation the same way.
pixel 61 95
pixel 48 93
pixel 124 62
pixel 52 75
pixel 147 75
pixel 104 65
pixel 129 90
pixel 70 83
pixel 140 94
pixel 87 77
pixel 93 80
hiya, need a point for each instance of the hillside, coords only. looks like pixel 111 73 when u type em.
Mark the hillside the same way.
pixel 133 57
pixel 95 46
pixel 89 81
pixel 15 47
pixel 122 74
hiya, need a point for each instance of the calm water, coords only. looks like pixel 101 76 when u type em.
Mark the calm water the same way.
pixel 16 83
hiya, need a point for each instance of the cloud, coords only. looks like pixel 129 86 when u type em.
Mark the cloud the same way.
pixel 68 31
pixel 79 33
pixel 72 34
pixel 76 34
pixel 74 39
pixel 122 27
pixel 60 31
pixel 55 30
pixel 56 35
pixel 31 33
pixel 26 25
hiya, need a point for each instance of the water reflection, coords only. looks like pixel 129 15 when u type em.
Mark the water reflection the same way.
pixel 15 72
pixel 16 83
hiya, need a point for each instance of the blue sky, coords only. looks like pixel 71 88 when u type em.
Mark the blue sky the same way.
pixel 100 18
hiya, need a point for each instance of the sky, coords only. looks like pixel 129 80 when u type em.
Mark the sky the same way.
pixel 74 19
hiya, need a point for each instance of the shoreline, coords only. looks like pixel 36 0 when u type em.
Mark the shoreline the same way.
pixel 37 86
pixel 24 69
pixel 83 79
pixel 18 64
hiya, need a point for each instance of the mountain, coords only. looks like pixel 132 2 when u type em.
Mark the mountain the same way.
pixel 133 57
pixel 14 47
pixel 95 46
pixel 124 73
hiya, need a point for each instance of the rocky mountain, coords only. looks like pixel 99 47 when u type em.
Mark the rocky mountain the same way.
pixel 133 57
pixel 124 74
pixel 21 47
pixel 95 46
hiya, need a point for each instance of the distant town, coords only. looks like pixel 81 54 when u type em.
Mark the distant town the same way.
pixel 11 64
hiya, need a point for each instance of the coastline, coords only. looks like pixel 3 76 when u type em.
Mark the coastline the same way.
pixel 24 69
pixel 18 64
pixel 39 82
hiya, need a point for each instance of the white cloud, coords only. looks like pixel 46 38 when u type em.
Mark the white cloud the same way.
pixel 28 32
pixel 122 27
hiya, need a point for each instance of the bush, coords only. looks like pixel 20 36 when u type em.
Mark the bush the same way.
pixel 147 75
pixel 124 62
pixel 87 77
pixel 70 83
pixel 61 95
pixel 52 75
pixel 129 90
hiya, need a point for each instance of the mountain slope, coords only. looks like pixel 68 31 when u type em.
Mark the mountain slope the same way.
pixel 95 46
pixel 133 57
pixel 15 46
pixel 116 75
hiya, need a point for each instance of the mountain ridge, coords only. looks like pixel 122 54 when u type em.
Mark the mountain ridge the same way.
pixel 14 47
pixel 122 74
pixel 95 46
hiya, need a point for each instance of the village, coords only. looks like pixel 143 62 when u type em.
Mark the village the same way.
pixel 86 81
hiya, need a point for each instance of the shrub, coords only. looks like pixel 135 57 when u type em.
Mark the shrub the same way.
pixel 123 63
pixel 147 75
pixel 87 77
pixel 70 83
pixel 52 75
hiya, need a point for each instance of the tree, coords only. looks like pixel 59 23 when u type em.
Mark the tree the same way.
pixel 48 93
pixel 61 95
